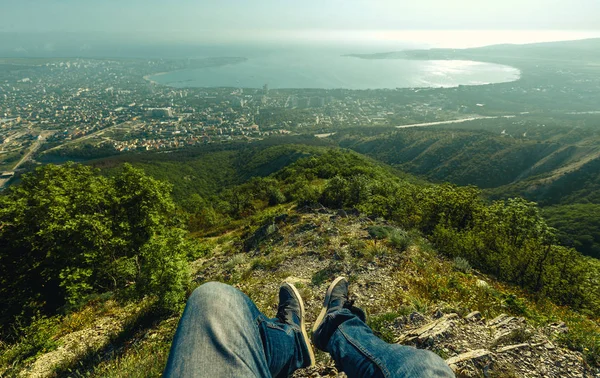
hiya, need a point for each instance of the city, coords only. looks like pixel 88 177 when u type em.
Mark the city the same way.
pixel 60 109
pixel 110 105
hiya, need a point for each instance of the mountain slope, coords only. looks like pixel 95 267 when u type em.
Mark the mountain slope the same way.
pixel 554 163
pixel 405 287
pixel 207 171
pixel 414 253
pixel 487 153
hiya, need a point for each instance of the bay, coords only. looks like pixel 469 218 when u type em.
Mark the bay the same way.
pixel 306 69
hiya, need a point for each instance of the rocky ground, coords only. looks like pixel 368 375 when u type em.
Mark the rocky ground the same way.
pixel 411 296
pixel 503 346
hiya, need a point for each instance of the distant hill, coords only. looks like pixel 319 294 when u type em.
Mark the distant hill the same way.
pixel 554 163
pixel 574 51
pixel 208 170
pixel 525 156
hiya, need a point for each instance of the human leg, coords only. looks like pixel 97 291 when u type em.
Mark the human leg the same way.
pixel 341 331
pixel 223 334
pixel 362 354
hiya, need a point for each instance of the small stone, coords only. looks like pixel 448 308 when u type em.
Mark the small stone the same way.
pixel 416 317
pixel 472 355
pixel 431 332
pixel 512 347
pixel 400 322
pixel 498 319
pixel 502 321
pixel 475 315
pixel 549 346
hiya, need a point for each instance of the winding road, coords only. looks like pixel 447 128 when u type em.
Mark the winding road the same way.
pixel 452 121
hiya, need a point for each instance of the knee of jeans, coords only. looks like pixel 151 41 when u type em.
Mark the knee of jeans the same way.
pixel 214 295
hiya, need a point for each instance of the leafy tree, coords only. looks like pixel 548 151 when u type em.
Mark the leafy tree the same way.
pixel 578 226
pixel 67 232
pixel 201 213
pixel 337 193
pixel 163 268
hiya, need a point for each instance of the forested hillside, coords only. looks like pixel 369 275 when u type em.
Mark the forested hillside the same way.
pixel 206 173
pixel 120 244
pixel 552 161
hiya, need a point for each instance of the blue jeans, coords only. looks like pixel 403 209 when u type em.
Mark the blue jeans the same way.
pixel 223 334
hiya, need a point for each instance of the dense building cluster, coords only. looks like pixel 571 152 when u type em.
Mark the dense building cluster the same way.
pixel 57 103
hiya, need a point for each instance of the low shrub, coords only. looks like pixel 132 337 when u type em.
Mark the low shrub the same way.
pixel 462 265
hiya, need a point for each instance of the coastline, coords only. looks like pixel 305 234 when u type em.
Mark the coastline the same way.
pixel 148 77
pixel 518 75
pixel 212 62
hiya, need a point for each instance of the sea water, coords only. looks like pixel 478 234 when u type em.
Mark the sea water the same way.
pixel 330 70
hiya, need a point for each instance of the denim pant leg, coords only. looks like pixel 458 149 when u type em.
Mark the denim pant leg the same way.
pixel 223 334
pixel 361 354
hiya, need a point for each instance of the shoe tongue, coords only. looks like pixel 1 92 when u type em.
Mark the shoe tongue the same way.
pixel 288 306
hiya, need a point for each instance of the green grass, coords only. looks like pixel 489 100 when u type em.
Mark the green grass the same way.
pixel 148 332
pixel 380 325
pixel 36 338
pixel 266 262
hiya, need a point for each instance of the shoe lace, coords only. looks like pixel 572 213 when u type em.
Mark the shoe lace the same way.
pixel 281 314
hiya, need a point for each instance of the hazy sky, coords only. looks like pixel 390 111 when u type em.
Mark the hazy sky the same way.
pixel 229 16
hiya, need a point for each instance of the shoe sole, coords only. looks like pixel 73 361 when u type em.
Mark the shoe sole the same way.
pixel 326 303
pixel 311 353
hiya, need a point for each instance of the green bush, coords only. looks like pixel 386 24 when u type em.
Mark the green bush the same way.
pixel 35 337
pixel 164 270
pixel 67 232
pixel 400 239
pixel 515 305
pixel 303 193
pixel 195 250
pixel 462 265
pixel 336 193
